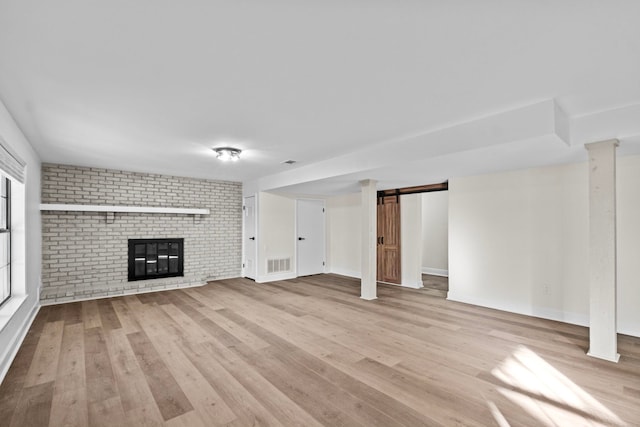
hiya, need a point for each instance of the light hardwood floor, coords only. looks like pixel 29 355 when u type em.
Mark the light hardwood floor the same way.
pixel 309 352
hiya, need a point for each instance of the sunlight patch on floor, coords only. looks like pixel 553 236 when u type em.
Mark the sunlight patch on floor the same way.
pixel 497 415
pixel 546 394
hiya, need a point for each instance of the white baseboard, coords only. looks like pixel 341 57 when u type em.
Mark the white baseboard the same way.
pixel 417 285
pixel 627 328
pixel 435 271
pixel 275 277
pixel 560 316
pixel 402 285
pixel 542 312
pixel 579 319
pixel 345 272
pixel 14 345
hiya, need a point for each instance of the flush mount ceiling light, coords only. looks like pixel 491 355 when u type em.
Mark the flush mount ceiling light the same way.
pixel 228 154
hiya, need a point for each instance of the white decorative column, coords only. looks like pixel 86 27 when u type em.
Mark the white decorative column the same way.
pixel 603 337
pixel 368 285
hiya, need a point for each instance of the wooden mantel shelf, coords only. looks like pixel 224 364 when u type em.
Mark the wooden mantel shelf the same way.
pixel 108 208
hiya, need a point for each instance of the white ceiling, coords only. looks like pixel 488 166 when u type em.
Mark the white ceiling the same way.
pixel 152 86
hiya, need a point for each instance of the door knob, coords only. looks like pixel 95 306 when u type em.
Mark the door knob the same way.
pixel 300 238
pixel 252 238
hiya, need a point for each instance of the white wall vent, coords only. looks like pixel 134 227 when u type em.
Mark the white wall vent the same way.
pixel 278 265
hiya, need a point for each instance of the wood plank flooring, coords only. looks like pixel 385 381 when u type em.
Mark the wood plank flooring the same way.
pixel 439 283
pixel 309 352
pixel 435 285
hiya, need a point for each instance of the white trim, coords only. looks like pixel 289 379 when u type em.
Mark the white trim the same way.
pixel 344 272
pixel 541 312
pixel 560 316
pixel 113 208
pixel 13 347
pixel 400 285
pixel 435 271
pixel 628 328
pixel 615 358
pixel 276 277
pixel 413 285
pixel 10 308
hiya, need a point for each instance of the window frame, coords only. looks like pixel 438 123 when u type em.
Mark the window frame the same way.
pixel 7 230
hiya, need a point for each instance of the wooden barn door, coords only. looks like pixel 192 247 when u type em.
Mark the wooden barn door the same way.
pixel 388 222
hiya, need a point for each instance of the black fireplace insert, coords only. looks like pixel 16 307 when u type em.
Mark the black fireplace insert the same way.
pixel 155 258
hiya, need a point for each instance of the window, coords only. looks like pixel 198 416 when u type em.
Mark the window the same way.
pixel 5 238
pixel 13 283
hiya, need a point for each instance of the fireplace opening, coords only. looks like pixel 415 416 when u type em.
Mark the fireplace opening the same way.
pixel 155 258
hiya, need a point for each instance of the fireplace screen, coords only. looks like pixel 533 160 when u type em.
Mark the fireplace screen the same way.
pixel 155 258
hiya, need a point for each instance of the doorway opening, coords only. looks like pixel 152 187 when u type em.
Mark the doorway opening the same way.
pixel 435 243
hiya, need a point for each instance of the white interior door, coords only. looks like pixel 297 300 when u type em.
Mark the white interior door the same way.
pixel 310 238
pixel 250 245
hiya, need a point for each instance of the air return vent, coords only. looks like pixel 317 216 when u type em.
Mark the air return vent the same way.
pixel 278 265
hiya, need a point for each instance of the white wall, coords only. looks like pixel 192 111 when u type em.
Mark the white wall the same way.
pixel 628 225
pixel 518 241
pixel 344 232
pixel 411 240
pixel 276 234
pixel 26 247
pixel 345 235
pixel 435 233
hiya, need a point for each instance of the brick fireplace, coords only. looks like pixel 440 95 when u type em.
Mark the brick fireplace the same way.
pixel 85 254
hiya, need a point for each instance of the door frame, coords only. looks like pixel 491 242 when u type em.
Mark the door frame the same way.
pixel 324 234
pixel 244 235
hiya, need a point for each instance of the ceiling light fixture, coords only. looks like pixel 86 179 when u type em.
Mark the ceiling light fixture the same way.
pixel 227 154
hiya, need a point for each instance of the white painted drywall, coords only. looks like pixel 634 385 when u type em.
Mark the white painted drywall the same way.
pixel 276 234
pixel 344 232
pixel 26 244
pixel 628 235
pixel 518 241
pixel 411 240
pixel 435 232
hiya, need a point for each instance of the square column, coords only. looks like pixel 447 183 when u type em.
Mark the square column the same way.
pixel 603 334
pixel 368 284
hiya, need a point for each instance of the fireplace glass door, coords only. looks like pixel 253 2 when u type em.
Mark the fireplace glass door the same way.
pixel 155 258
